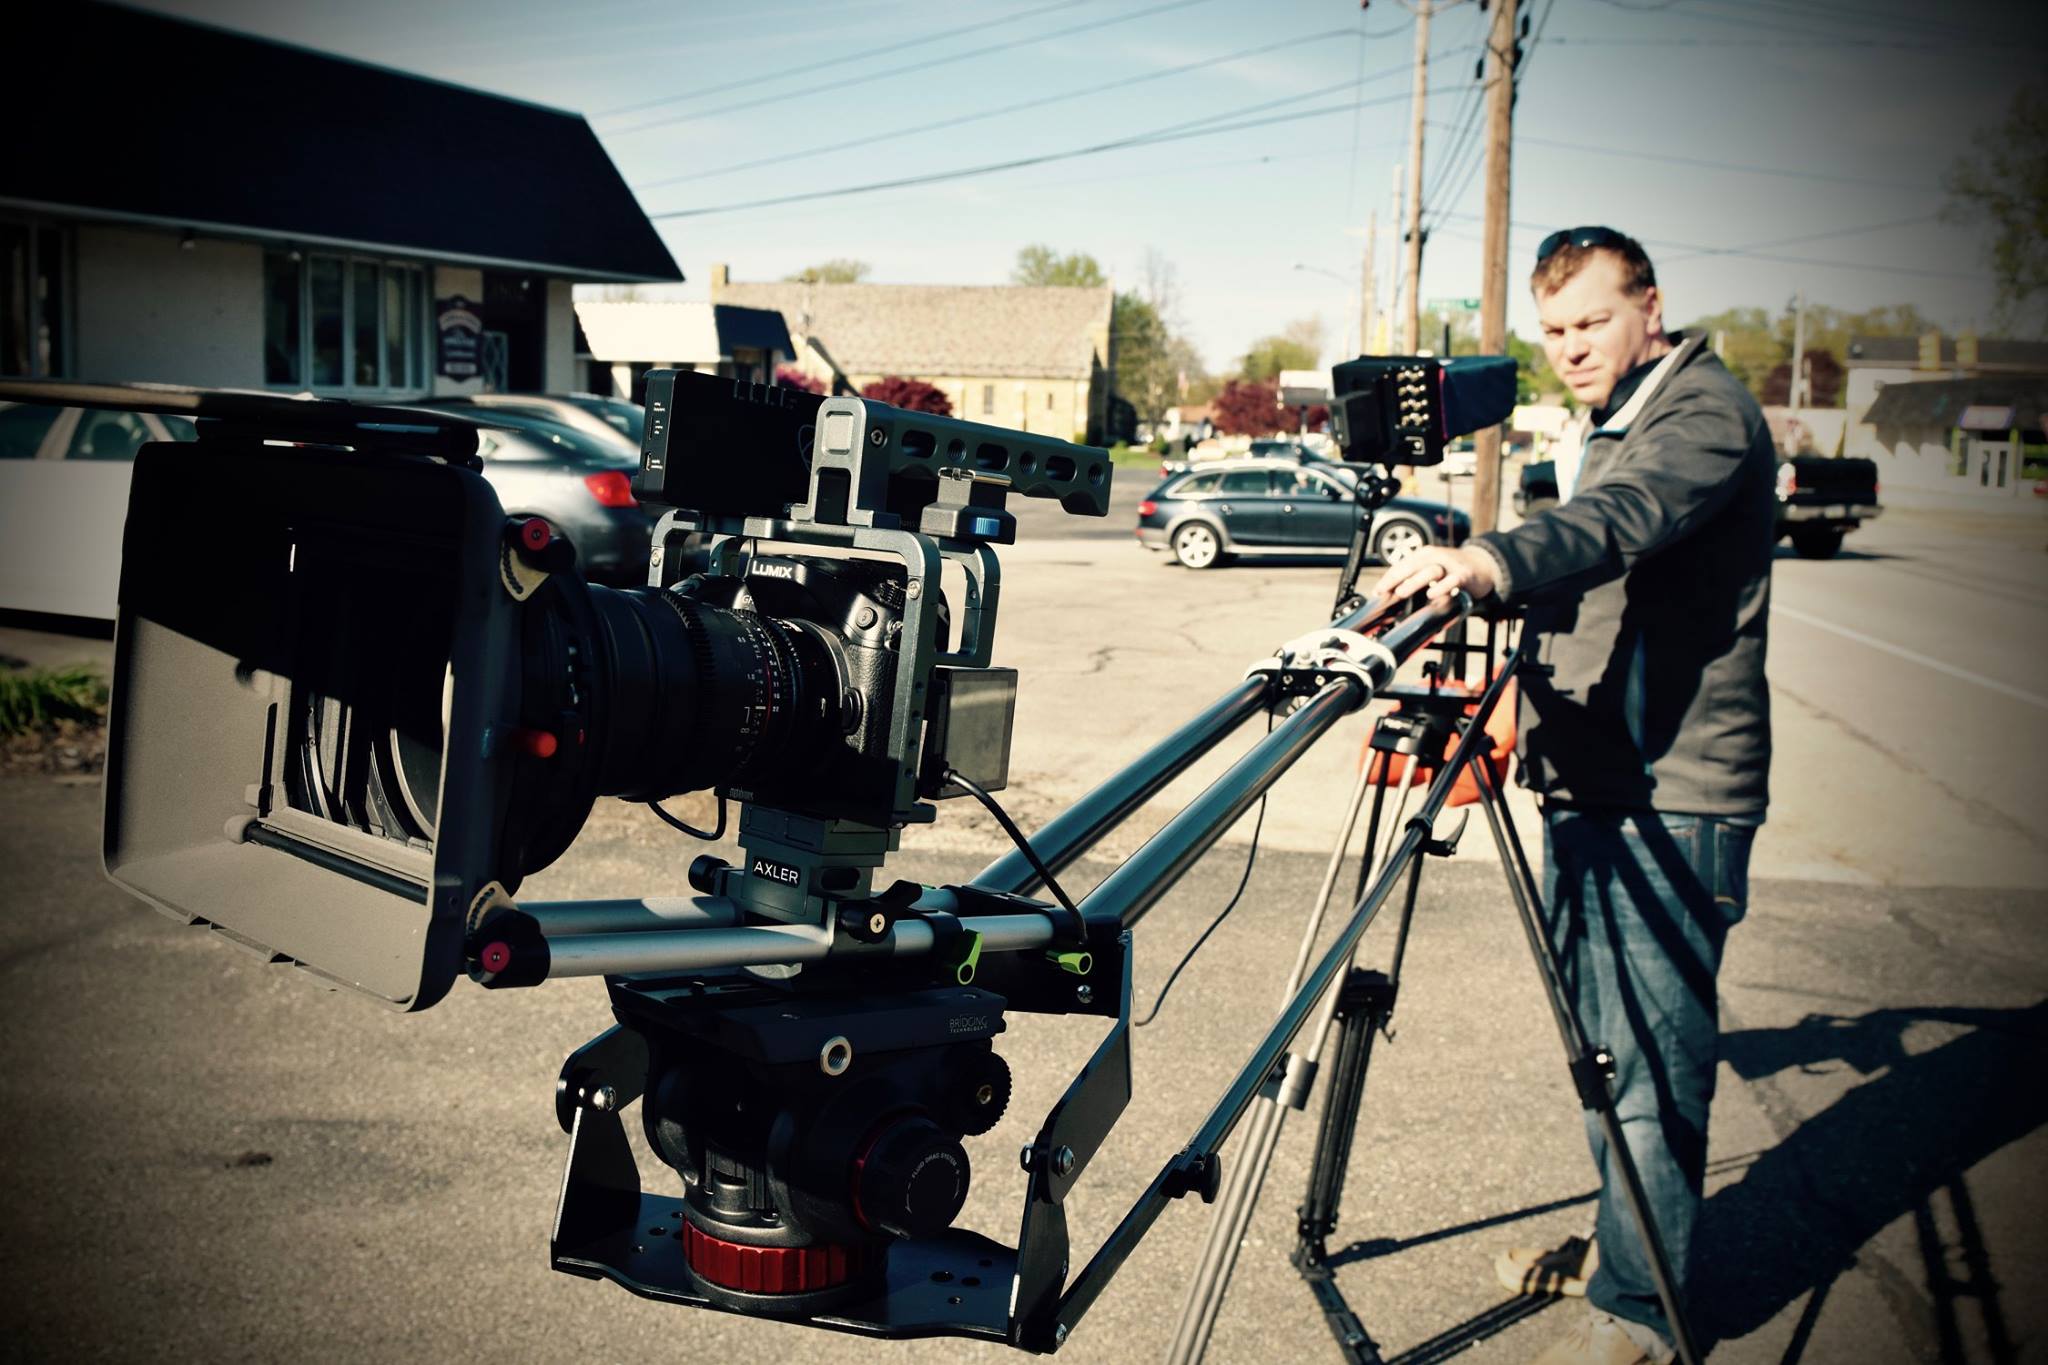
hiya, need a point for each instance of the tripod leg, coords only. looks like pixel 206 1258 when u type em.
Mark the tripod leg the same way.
pixel 1591 1069
pixel 1365 1002
pixel 1365 1005
pixel 1247 1172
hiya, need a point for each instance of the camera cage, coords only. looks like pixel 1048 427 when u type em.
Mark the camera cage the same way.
pixel 688 953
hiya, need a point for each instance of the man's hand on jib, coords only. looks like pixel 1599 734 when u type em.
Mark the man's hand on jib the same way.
pixel 1440 571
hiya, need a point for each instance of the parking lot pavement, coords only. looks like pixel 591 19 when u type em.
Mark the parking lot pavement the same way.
pixel 212 1157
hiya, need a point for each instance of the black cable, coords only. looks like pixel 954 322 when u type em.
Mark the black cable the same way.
pixel 1251 859
pixel 717 832
pixel 973 789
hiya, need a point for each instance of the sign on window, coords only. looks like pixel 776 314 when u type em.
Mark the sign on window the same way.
pixel 460 328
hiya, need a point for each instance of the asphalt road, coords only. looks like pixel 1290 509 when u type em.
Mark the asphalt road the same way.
pixel 207 1157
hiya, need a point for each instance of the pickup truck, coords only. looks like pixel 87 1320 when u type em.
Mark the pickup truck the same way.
pixel 1820 499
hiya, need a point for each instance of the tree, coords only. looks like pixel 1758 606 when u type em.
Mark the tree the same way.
pixel 1299 346
pixel 790 377
pixel 1824 377
pixel 1753 345
pixel 1250 408
pixel 1144 371
pixel 912 395
pixel 1747 342
pixel 839 270
pixel 1040 264
pixel 1317 418
pixel 1534 382
pixel 2004 184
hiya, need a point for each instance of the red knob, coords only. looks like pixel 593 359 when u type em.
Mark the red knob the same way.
pixel 767 1270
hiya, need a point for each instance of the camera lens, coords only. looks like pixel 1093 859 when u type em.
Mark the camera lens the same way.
pixel 703 696
pixel 772 684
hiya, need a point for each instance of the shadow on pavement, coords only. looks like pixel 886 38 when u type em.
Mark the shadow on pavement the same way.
pixel 1373 1248
pixel 1888 1148
pixel 1787 552
pixel 1473 1330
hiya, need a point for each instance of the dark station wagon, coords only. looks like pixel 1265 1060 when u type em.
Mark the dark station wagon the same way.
pixel 1209 513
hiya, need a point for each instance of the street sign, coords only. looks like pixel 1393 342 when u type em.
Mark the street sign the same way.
pixel 1454 305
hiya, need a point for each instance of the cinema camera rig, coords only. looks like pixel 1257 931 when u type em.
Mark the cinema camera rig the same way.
pixel 342 736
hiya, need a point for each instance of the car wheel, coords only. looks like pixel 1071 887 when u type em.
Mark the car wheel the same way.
pixel 1197 546
pixel 1395 538
pixel 1817 542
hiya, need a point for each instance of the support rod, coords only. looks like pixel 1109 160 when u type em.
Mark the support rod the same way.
pixel 1124 1238
pixel 1135 887
pixel 1082 825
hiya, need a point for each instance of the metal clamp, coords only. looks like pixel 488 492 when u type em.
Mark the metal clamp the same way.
pixel 1307 663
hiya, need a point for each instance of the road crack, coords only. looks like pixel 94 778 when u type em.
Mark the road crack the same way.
pixel 1984 812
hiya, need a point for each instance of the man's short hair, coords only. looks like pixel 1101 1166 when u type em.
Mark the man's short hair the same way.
pixel 1554 271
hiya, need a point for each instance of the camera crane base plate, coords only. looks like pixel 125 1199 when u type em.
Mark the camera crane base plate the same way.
pixel 954 1284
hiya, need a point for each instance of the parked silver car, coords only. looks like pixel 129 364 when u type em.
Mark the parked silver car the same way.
pixel 601 418
pixel 64 475
pixel 582 484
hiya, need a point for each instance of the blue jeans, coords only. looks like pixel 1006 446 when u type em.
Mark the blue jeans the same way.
pixel 1639 904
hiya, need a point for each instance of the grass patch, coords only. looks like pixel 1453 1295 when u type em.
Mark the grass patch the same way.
pixel 1129 457
pixel 39 699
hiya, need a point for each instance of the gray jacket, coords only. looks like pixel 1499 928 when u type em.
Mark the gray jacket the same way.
pixel 1649 596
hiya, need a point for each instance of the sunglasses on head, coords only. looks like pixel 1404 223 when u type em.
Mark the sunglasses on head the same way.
pixel 1580 237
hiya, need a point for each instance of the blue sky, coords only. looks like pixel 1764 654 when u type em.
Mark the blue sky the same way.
pixel 1814 130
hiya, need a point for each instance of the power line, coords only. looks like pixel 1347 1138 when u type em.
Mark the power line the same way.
pixel 1808 237
pixel 1463 132
pixel 1703 163
pixel 870 53
pixel 1859 15
pixel 869 77
pixel 1357 121
pixel 1758 255
pixel 1911 44
pixel 1521 70
pixel 1175 134
pixel 954 121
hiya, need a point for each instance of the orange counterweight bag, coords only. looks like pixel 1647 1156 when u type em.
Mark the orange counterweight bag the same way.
pixel 1387 769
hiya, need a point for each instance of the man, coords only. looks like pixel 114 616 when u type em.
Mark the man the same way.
pixel 1645 733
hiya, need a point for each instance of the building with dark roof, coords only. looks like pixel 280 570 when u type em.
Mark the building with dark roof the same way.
pixel 205 207
pixel 622 339
pixel 1035 358
pixel 1987 433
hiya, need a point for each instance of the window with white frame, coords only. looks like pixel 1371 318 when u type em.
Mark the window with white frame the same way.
pixel 344 323
pixel 35 299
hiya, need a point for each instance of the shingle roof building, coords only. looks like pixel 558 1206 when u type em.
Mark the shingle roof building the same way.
pixel 1036 359
pixel 921 330
pixel 1993 353
pixel 1993 403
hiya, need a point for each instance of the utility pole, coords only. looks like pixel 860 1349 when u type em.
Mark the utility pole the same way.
pixel 1502 52
pixel 1798 383
pixel 1366 285
pixel 1411 327
pixel 1394 313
